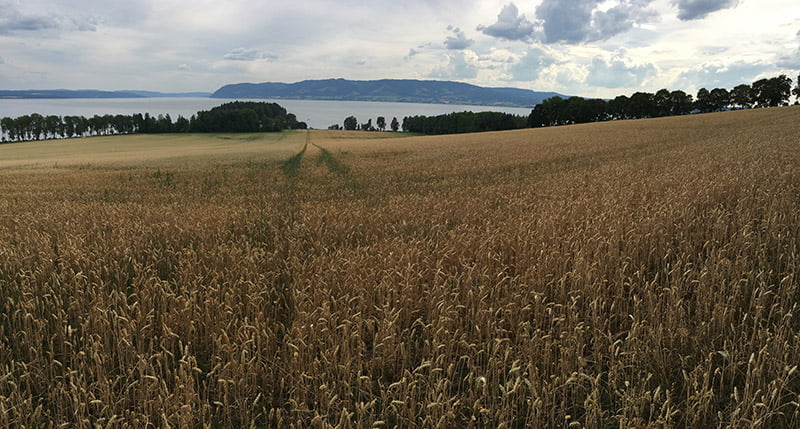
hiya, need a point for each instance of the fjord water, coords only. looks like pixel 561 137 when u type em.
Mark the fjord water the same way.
pixel 316 113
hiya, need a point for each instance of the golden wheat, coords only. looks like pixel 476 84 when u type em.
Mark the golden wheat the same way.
pixel 627 274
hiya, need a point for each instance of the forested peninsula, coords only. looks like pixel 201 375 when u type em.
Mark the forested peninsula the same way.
pixel 237 116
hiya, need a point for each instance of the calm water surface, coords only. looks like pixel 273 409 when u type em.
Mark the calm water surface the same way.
pixel 316 113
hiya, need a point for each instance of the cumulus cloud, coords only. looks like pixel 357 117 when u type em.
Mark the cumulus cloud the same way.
pixel 458 67
pixel 510 25
pixel 617 73
pixel 580 21
pixel 531 65
pixel 791 61
pixel 13 20
pixel 566 21
pixel 721 75
pixel 620 18
pixel 458 40
pixel 245 54
pixel 698 9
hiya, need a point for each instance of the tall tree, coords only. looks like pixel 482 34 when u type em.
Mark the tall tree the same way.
pixel 53 126
pixel 703 101
pixel 796 90
pixel 8 129
pixel 663 101
pixel 742 96
pixel 381 123
pixel 682 103
pixel 396 125
pixel 719 99
pixel 772 92
pixel 618 108
pixel 350 123
pixel 642 105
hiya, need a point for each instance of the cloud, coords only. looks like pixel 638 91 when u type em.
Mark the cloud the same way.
pixel 616 73
pixel 566 21
pixel 531 65
pixel 510 25
pixel 458 67
pixel 620 18
pixel 245 54
pixel 791 61
pixel 721 75
pixel 458 41
pixel 183 67
pixel 581 21
pixel 698 9
pixel 12 20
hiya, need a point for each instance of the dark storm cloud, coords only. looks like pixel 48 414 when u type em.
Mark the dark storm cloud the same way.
pixel 698 9
pixel 510 25
pixel 458 40
pixel 581 21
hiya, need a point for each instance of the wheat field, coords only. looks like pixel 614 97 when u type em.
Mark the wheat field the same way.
pixel 634 274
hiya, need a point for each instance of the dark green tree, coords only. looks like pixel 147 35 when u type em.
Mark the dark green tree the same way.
pixel 682 103
pixel 703 101
pixel 9 132
pixel 381 123
pixel 618 107
pixel 642 105
pixel 772 92
pixel 719 99
pixel 663 102
pixel 37 125
pixel 182 125
pixel 350 123
pixel 396 125
pixel 742 96
pixel 796 90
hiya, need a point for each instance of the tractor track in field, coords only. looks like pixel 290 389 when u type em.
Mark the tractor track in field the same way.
pixel 291 166
pixel 334 165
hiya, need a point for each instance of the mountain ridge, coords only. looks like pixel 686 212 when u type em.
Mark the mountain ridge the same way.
pixel 387 90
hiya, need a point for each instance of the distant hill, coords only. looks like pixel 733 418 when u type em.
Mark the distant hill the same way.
pixel 92 93
pixel 387 90
pixel 155 94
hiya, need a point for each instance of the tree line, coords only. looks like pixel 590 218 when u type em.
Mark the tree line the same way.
pixel 451 123
pixel 231 117
pixel 463 122
pixel 351 124
pixel 769 92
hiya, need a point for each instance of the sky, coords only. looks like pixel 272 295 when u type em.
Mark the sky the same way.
pixel 591 48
